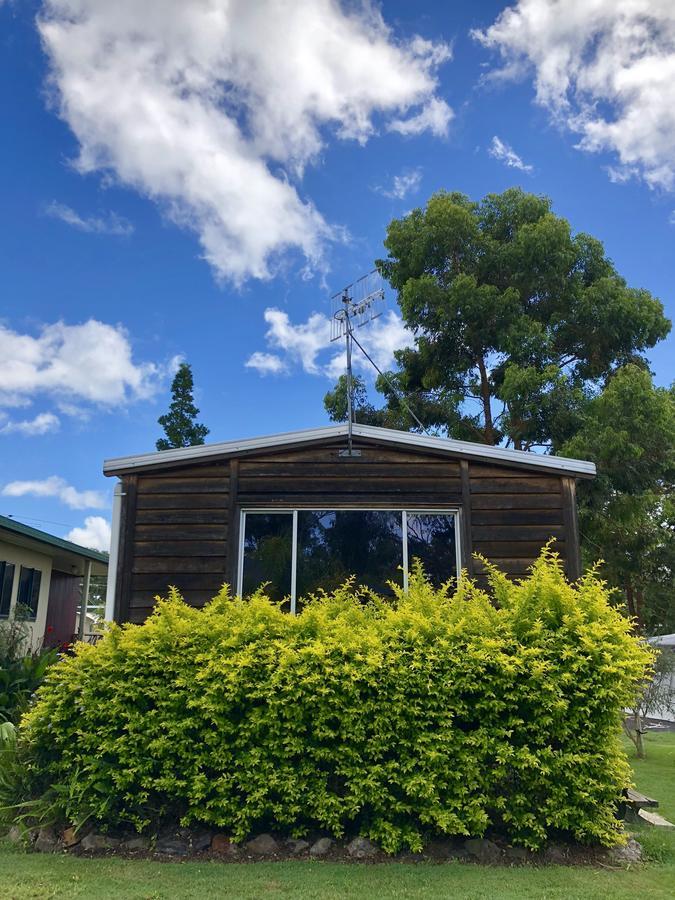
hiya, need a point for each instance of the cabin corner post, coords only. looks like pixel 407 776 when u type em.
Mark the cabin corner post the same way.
pixel 571 523
pixel 113 560
pixel 125 559
pixel 232 562
pixel 466 548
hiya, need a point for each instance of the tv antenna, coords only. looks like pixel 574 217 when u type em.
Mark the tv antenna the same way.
pixel 352 308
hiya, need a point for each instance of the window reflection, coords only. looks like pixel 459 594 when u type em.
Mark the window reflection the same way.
pixel 332 545
pixel 268 542
pixel 431 539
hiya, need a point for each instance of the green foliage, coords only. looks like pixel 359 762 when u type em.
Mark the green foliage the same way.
pixel 443 712
pixel 21 672
pixel 627 513
pixel 179 424
pixel 516 320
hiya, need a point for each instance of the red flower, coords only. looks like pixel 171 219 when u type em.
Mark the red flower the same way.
pixel 50 628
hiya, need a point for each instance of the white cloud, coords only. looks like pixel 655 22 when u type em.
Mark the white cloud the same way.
pixel 408 182
pixel 41 424
pixel 110 223
pixel 506 154
pixel 307 345
pixel 266 363
pixel 89 363
pixel 603 68
pixel 671 218
pixel 95 534
pixel 57 487
pixel 209 107
pixel 434 117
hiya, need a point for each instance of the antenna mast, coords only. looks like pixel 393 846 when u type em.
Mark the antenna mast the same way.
pixel 353 307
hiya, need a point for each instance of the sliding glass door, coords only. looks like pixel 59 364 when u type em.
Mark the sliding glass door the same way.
pixel 299 551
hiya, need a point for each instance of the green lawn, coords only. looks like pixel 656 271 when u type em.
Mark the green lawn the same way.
pixel 30 875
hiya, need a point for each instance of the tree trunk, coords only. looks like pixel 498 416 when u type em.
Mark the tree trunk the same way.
pixel 486 400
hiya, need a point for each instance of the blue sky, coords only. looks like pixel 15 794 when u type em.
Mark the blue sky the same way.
pixel 159 197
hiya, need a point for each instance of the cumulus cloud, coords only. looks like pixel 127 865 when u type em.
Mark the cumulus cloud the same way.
pixel 40 424
pixel 91 363
pixel 266 363
pixel 506 154
pixel 95 534
pixel 110 223
pixel 435 117
pixel 408 182
pixel 307 345
pixel 211 107
pixel 57 487
pixel 604 69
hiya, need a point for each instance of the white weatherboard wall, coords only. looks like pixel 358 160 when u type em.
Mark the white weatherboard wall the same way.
pixel 32 560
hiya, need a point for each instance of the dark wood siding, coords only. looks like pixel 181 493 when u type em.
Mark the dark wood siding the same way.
pixel 180 536
pixel 180 525
pixel 513 514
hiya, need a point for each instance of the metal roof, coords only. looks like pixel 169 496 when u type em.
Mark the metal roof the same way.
pixel 483 452
pixel 7 524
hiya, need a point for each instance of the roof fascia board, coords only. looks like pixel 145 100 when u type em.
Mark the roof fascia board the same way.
pixel 446 446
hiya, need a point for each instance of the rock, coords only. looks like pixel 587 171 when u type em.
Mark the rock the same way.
pixel 483 850
pixel 222 845
pixel 172 846
pixel 295 847
pixel 362 848
pixel 647 817
pixel 46 841
pixel 16 835
pixel 263 845
pixel 136 844
pixel 441 850
pixel 70 838
pixel 517 854
pixel 95 841
pixel 200 841
pixel 321 847
pixel 630 853
pixel 555 854
pixel 410 857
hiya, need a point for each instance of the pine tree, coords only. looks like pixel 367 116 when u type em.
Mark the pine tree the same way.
pixel 179 424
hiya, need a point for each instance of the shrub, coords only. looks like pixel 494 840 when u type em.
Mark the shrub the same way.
pixel 21 671
pixel 444 712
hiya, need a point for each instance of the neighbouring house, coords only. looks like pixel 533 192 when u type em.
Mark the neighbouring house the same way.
pixel 666 644
pixel 297 511
pixel 46 575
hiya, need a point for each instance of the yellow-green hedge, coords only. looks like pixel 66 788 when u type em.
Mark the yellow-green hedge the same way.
pixel 446 712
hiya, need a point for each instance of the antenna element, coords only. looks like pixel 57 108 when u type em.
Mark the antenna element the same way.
pixel 352 308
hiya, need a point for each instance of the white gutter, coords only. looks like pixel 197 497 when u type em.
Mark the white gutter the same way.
pixel 114 553
pixel 385 435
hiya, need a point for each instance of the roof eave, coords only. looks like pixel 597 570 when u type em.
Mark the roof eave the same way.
pixel 126 464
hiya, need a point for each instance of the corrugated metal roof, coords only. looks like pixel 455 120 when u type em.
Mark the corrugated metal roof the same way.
pixel 483 452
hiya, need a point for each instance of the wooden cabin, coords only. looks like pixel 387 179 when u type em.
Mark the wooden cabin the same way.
pixel 301 512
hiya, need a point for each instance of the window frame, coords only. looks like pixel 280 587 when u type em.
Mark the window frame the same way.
pixel 455 511
pixel 3 577
pixel 32 570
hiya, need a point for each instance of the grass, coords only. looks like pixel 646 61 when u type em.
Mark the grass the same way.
pixel 30 875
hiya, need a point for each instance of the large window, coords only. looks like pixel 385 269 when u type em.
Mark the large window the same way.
pixel 29 591
pixel 6 583
pixel 299 551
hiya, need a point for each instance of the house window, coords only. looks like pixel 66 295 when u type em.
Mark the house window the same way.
pixel 300 551
pixel 29 591
pixel 6 583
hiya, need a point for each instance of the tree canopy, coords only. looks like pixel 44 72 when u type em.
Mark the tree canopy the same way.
pixel 180 423
pixel 627 513
pixel 516 320
pixel 527 336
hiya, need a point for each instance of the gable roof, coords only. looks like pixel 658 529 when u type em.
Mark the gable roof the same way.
pixel 27 531
pixel 442 445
